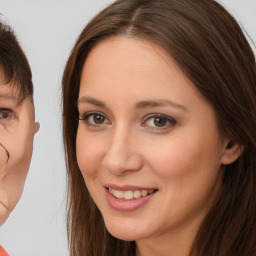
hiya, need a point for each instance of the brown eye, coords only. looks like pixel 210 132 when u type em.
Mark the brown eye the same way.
pixel 5 113
pixel 160 122
pixel 94 119
pixel 98 119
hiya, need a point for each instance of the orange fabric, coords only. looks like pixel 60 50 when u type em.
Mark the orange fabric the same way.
pixel 3 252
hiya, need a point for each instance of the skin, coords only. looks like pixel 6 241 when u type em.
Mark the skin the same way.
pixel 17 130
pixel 182 159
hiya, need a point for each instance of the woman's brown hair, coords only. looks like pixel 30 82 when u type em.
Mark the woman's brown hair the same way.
pixel 209 47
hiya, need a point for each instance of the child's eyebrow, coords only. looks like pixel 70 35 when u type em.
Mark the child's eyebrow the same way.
pixel 10 97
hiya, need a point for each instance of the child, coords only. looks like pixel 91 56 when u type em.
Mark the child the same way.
pixel 17 121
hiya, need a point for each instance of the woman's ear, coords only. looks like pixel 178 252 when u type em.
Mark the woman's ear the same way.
pixel 231 152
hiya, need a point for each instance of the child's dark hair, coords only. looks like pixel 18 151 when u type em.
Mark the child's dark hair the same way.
pixel 14 65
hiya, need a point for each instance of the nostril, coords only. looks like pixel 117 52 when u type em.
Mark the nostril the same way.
pixel 120 163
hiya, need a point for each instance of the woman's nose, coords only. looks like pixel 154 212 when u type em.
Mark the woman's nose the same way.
pixel 122 155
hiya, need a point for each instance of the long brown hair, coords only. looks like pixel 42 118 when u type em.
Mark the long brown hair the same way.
pixel 210 48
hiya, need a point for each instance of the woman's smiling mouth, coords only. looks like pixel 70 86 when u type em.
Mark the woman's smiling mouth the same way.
pixel 128 198
pixel 130 194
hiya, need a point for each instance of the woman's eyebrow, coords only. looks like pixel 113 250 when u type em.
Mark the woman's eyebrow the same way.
pixel 91 101
pixel 158 103
pixel 138 105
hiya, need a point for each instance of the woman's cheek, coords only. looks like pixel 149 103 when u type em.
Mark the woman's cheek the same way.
pixel 172 160
pixel 88 154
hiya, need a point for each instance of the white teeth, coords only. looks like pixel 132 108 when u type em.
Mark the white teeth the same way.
pixel 129 194
pixel 137 194
pixel 118 193
pixel 144 192
pixel 150 191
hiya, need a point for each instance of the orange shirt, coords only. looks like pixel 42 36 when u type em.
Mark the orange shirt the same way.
pixel 3 252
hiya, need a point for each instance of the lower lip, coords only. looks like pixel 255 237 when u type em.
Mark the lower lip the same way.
pixel 127 205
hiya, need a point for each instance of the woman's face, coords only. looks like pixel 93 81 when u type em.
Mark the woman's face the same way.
pixel 147 143
pixel 17 129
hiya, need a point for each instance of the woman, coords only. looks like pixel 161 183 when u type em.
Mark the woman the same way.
pixel 159 121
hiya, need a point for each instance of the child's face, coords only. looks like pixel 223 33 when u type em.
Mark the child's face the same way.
pixel 17 129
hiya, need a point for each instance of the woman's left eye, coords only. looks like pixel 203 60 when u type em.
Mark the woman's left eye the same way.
pixel 5 113
pixel 94 119
pixel 159 121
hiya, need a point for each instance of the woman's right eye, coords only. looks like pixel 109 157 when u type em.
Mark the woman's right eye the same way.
pixel 94 119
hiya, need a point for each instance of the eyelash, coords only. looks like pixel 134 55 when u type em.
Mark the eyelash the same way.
pixel 86 116
pixel 167 121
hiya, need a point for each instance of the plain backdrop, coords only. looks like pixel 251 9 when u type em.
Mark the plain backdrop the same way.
pixel 47 30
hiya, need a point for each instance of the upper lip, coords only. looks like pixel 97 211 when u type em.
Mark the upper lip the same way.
pixel 128 187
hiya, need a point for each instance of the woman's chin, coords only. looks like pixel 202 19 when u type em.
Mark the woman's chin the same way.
pixel 122 235
pixel 124 232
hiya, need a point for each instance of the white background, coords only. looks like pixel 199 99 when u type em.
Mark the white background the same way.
pixel 47 30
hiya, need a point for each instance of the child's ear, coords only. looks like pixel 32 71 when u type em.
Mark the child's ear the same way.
pixel 231 152
pixel 37 126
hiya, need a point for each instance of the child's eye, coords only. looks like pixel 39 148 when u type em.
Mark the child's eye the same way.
pixel 159 121
pixel 94 119
pixel 5 113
